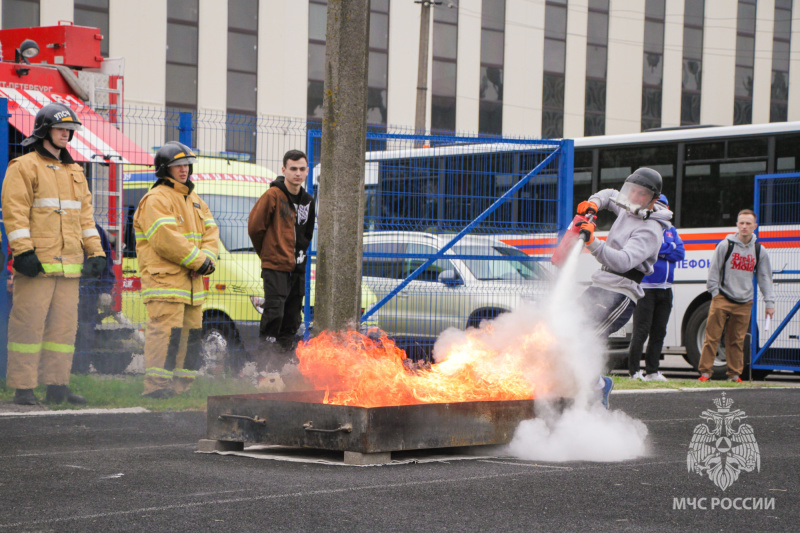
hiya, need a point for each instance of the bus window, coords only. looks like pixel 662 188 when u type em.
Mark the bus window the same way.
pixel 715 192
pixel 787 154
pixel 582 177
pixel 618 163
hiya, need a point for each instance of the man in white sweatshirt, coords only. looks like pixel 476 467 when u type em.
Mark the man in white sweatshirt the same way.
pixel 628 253
pixel 730 282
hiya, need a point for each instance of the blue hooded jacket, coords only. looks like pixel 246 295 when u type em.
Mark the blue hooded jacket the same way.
pixel 671 252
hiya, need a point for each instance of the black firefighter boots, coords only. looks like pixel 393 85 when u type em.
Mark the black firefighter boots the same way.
pixel 61 393
pixel 25 397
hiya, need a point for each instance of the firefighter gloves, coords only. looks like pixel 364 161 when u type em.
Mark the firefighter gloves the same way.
pixel 587 232
pixel 94 267
pixel 206 268
pixel 586 206
pixel 28 264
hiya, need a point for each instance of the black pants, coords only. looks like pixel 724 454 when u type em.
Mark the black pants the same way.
pixel 649 319
pixel 283 302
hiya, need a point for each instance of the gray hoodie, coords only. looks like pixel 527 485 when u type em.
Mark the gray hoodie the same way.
pixel 631 243
pixel 739 271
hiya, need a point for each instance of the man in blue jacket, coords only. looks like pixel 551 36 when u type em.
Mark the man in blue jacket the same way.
pixel 652 312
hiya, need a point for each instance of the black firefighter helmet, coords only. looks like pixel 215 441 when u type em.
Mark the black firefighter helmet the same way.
pixel 53 115
pixel 171 154
pixel 647 178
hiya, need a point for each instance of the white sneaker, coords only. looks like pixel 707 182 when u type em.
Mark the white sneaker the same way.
pixel 638 375
pixel 658 376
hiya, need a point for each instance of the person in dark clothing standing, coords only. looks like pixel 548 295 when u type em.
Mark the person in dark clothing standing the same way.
pixel 281 225
pixel 94 294
pixel 652 312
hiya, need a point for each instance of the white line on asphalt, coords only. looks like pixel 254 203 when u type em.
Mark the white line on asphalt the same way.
pixel 116 411
pixel 525 464
pixel 95 450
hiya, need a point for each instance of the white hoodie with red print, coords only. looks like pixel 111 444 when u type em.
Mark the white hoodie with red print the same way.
pixel 739 271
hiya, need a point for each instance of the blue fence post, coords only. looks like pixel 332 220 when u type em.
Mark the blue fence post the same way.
pixel 310 136
pixel 754 333
pixel 4 300
pixel 185 128
pixel 566 169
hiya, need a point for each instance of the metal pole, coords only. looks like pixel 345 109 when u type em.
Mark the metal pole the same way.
pixel 422 65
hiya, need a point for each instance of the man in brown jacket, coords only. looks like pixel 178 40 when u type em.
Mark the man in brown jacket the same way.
pixel 281 225
pixel 49 219
pixel 177 242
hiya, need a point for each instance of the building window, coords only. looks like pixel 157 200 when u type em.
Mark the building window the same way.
pixel 242 76
pixel 555 59
pixel 781 39
pixel 94 13
pixel 692 61
pixel 493 23
pixel 445 51
pixel 20 14
pixel 745 56
pixel 594 118
pixel 317 24
pixel 378 75
pixel 653 71
pixel 181 93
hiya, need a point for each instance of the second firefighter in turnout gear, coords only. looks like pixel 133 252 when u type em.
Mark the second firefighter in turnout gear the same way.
pixel 176 244
pixel 49 219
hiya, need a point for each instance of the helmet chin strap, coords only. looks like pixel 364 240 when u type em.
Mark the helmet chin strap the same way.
pixel 641 212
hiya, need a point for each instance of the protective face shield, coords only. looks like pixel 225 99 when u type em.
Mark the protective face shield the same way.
pixel 635 199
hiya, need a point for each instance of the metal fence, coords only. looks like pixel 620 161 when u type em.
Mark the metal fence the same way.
pixel 441 216
pixel 777 206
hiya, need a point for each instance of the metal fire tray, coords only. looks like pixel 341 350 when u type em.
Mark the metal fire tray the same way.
pixel 367 435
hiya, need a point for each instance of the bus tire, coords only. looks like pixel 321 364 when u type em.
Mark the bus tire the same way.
pixel 695 334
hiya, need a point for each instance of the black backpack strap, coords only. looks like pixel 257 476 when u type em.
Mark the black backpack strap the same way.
pixel 758 255
pixel 725 262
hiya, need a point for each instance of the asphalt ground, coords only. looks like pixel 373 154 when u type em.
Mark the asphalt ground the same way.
pixel 139 472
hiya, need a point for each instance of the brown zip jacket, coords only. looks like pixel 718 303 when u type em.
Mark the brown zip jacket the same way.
pixel 47 206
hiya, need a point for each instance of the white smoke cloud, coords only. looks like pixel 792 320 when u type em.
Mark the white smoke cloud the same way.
pixel 567 367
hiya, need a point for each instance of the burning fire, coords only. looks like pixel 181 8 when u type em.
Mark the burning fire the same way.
pixel 370 372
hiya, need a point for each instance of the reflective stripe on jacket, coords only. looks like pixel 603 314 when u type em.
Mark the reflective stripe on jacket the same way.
pixel 47 206
pixel 175 232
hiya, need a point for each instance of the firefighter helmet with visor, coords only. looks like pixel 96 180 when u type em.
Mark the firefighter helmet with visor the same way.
pixel 639 190
pixel 54 115
pixel 173 154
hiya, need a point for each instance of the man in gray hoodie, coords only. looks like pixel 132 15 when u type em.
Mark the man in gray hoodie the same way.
pixel 628 253
pixel 730 282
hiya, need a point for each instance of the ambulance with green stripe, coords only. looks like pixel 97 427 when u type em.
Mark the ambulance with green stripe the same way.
pixel 232 307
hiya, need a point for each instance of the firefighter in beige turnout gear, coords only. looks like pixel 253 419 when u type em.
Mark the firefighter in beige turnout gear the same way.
pixel 177 244
pixel 48 214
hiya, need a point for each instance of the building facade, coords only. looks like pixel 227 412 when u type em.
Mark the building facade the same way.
pixel 548 68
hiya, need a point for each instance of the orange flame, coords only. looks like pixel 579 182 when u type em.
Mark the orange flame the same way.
pixel 358 370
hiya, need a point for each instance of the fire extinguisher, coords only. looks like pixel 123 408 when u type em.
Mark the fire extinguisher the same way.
pixel 573 233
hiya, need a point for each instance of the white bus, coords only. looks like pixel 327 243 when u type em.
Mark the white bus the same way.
pixel 708 177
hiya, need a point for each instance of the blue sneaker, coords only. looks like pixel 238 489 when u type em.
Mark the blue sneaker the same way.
pixel 608 384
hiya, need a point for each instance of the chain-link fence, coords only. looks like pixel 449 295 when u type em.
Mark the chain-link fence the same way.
pixel 441 217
